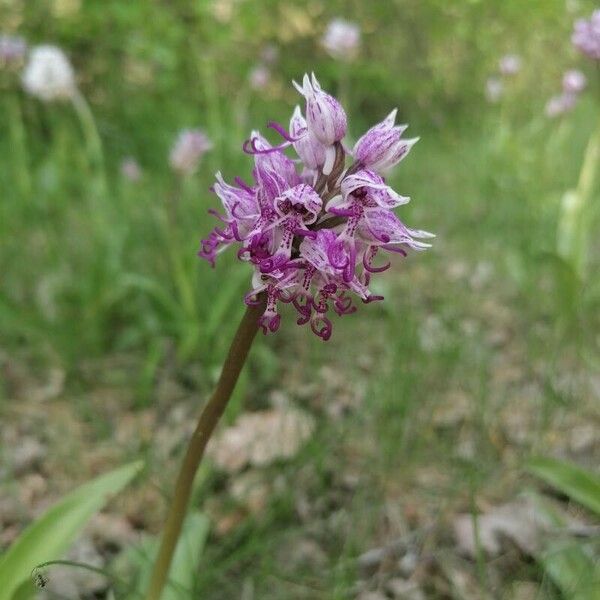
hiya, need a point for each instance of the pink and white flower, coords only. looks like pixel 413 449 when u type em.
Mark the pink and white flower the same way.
pixel 313 234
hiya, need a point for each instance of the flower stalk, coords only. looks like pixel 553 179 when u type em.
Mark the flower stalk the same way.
pixel 209 417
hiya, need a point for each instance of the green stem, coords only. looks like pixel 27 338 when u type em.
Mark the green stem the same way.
pixel 574 223
pixel 17 136
pixel 92 139
pixel 209 417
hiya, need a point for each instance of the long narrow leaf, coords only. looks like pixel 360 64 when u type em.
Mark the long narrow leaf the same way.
pixel 566 561
pixel 51 535
pixel 184 568
pixel 577 483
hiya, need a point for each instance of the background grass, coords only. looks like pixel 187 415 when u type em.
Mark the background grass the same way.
pixel 100 278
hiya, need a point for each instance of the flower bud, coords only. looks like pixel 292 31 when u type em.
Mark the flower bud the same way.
pixel 325 116
pixel 308 147
pixel 382 146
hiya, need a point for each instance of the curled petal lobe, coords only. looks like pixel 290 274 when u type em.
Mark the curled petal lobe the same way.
pixel 321 326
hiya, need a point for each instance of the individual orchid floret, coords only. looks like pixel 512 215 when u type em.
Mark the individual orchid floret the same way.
pixel 310 150
pixel 341 39
pixel 189 147
pixel 586 36
pixel 313 229
pixel 382 147
pixel 325 116
pixel 297 207
pixel 49 75
pixel 509 65
pixel 574 82
pixel 371 188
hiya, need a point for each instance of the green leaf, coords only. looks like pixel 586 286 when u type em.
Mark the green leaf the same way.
pixel 51 535
pixel 184 568
pixel 566 561
pixel 571 569
pixel 577 483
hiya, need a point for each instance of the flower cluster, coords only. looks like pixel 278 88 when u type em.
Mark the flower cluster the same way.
pixel 313 228
pixel 586 35
pixel 573 83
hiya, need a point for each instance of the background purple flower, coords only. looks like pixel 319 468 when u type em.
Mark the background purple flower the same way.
pixel 341 39
pixel 560 105
pixel 510 64
pixel 189 147
pixel 586 35
pixel 259 77
pixel 12 51
pixel 574 82
pixel 130 169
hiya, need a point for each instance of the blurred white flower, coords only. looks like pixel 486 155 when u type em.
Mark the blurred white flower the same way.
pixel 49 75
pixel 130 169
pixel 189 147
pixel 494 88
pixel 259 77
pixel 342 39
pixel 574 82
pixel 509 64
pixel 559 105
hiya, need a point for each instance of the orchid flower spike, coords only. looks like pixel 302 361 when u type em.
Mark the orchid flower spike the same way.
pixel 314 229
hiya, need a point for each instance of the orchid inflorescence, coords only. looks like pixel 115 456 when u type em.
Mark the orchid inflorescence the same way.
pixel 312 228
